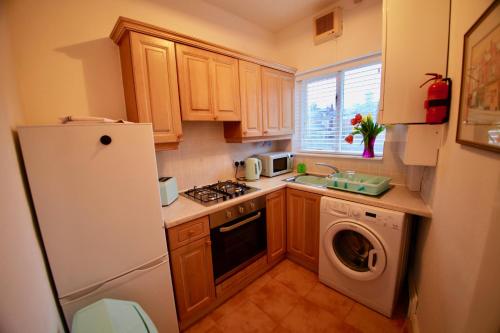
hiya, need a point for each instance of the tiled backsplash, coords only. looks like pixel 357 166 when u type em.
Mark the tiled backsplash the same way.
pixel 204 156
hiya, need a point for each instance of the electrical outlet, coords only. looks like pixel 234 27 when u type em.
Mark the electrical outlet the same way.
pixel 236 164
pixel 242 163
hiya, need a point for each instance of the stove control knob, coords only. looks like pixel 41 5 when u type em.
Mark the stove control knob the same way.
pixel 229 214
pixel 241 209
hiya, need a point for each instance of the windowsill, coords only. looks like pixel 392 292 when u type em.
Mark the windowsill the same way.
pixel 333 155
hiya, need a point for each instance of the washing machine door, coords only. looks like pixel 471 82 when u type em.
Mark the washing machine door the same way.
pixel 354 250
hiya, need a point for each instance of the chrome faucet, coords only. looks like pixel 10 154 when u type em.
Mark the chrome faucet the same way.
pixel 334 168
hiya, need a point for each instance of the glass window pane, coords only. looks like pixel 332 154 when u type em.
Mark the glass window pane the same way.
pixel 324 124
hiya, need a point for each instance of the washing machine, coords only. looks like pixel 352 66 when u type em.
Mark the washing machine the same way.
pixel 363 252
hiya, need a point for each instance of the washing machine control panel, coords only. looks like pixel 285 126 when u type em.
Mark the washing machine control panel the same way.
pixel 363 213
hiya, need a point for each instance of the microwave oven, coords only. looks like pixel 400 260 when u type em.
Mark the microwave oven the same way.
pixel 274 163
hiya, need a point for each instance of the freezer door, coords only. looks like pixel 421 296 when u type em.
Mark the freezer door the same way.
pixel 96 196
pixel 151 287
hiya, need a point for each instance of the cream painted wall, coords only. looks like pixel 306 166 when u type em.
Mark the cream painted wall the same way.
pixel 362 34
pixel 457 269
pixel 66 64
pixel 26 302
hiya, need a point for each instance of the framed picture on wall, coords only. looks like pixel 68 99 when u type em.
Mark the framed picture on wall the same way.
pixel 479 113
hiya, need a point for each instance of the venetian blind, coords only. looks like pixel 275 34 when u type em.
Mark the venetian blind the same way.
pixel 328 104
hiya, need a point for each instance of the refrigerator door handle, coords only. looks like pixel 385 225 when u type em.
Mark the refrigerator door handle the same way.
pixel 69 298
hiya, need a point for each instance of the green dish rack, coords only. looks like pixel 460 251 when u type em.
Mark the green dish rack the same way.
pixel 359 183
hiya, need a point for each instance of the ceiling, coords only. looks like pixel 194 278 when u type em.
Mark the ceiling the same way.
pixel 272 15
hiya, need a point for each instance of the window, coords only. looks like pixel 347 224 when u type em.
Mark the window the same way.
pixel 328 104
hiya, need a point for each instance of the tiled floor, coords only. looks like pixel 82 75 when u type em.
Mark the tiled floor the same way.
pixel 290 298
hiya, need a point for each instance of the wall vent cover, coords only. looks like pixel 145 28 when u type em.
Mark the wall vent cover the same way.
pixel 327 25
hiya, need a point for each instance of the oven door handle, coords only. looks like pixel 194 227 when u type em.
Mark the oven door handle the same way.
pixel 241 223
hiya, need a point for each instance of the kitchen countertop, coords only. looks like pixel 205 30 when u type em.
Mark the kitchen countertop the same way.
pixel 398 198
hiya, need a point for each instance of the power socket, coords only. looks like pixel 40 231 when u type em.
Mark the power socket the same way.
pixel 236 164
pixel 242 163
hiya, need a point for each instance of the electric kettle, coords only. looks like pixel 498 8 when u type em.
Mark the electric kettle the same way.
pixel 253 168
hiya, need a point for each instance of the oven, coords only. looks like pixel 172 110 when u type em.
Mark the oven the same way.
pixel 238 236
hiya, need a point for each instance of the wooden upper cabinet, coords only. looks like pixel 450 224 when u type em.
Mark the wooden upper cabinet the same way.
pixel 195 86
pixel 405 36
pixel 277 105
pixel 276 225
pixel 193 277
pixel 151 88
pixel 287 99
pixel 208 85
pixel 251 99
pixel 303 227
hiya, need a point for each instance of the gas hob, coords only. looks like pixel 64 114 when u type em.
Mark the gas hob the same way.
pixel 221 191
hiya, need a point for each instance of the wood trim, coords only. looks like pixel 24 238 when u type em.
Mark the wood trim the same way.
pixel 124 24
pixel 166 146
pixel 257 138
pixel 188 232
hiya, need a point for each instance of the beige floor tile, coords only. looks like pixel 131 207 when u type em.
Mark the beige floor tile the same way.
pixel 275 299
pixel 310 318
pixel 246 318
pixel 330 300
pixel 298 279
pixel 369 321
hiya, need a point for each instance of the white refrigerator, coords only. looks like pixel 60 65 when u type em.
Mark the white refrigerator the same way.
pixel 97 202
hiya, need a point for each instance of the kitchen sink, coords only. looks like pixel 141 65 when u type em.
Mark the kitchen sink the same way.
pixel 349 181
pixel 307 179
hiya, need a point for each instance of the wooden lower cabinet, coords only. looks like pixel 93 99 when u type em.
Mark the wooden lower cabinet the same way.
pixel 193 277
pixel 303 227
pixel 276 225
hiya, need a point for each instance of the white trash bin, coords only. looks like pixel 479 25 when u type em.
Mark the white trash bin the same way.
pixel 112 316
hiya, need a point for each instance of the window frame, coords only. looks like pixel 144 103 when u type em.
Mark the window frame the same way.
pixel 336 71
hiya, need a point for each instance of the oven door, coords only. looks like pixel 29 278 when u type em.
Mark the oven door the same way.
pixel 238 243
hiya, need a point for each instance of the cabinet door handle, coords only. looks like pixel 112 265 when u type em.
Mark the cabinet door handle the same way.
pixel 266 131
pixel 208 242
pixel 215 117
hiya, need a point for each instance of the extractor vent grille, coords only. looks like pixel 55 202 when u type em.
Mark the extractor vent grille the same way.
pixel 328 25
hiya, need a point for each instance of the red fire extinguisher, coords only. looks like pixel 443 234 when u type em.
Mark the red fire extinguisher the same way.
pixel 437 103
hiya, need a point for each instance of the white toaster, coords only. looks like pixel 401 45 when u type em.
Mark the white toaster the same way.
pixel 168 190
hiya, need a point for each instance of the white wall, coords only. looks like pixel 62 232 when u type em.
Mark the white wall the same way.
pixel 66 64
pixel 26 301
pixel 362 34
pixel 457 270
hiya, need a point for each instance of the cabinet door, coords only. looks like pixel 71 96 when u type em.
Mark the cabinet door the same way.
pixel 251 99
pixel 406 36
pixel 271 101
pixel 287 98
pixel 276 225
pixel 193 277
pixel 195 84
pixel 303 227
pixel 156 89
pixel 226 91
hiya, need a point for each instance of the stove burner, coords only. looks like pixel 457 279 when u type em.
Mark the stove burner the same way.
pixel 220 191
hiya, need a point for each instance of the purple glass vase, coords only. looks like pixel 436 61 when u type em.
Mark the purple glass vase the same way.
pixel 369 151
